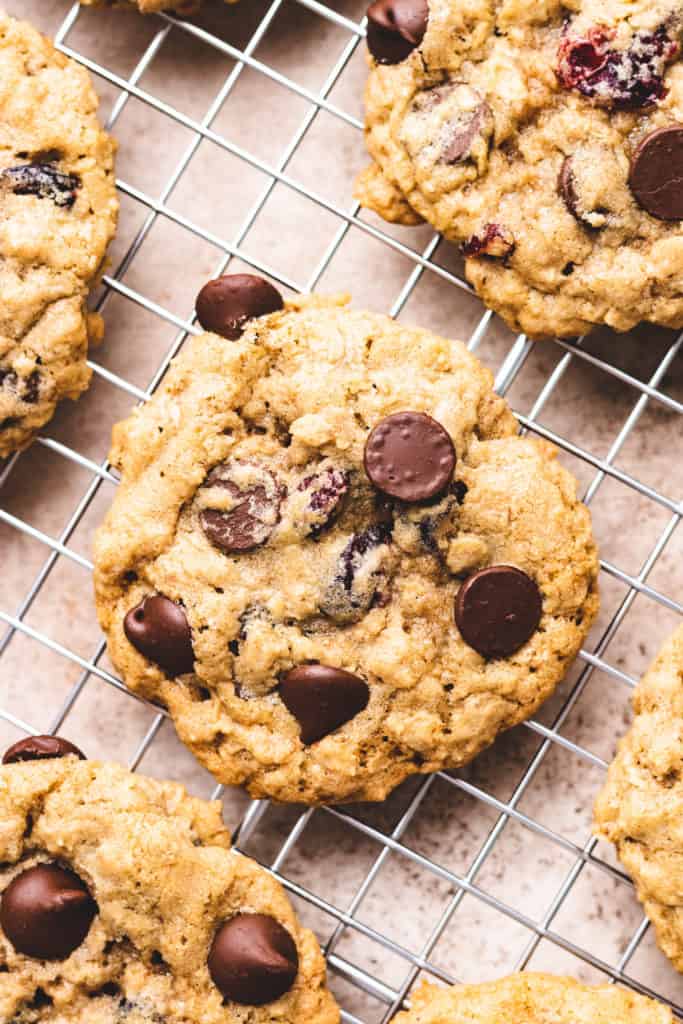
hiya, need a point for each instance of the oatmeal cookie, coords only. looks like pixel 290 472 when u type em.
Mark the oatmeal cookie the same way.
pixel 545 138
pixel 532 999
pixel 58 211
pixel 121 902
pixel 639 809
pixel 331 556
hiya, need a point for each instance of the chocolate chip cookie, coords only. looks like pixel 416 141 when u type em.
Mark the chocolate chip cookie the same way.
pixel 58 212
pixel 532 999
pixel 121 902
pixel 547 141
pixel 639 809
pixel 331 557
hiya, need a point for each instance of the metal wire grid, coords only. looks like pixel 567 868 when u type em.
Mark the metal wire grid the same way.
pixel 389 996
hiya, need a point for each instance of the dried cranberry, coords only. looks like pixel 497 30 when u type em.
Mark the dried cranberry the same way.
pixel 623 79
pixel 326 491
pixel 496 242
pixel 42 180
pixel 359 576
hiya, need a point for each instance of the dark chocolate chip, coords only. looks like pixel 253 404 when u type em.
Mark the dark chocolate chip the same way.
pixel 497 610
pixel 410 456
pixel 42 180
pixel 159 630
pixel 257 494
pixel 40 748
pixel 253 960
pixel 322 698
pixel 360 575
pixel 46 912
pixel 326 492
pixel 656 177
pixel 395 28
pixel 225 304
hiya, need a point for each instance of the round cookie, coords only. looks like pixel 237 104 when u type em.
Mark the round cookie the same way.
pixel 121 901
pixel 547 140
pixel 256 576
pixel 529 998
pixel 58 211
pixel 639 809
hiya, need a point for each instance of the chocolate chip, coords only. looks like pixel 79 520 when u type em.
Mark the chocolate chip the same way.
pixel 253 960
pixel 462 117
pixel 46 912
pixel 497 610
pixel 656 177
pixel 255 496
pixel 159 630
pixel 592 184
pixel 40 748
pixel 43 181
pixel 225 304
pixel 360 575
pixel 409 456
pixel 326 491
pixel 322 698
pixel 395 28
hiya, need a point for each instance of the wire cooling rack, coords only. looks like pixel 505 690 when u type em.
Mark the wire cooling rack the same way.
pixel 459 876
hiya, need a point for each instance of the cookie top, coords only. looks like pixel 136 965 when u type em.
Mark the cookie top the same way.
pixel 298 512
pixel 532 999
pixel 58 211
pixel 546 139
pixel 640 808
pixel 121 902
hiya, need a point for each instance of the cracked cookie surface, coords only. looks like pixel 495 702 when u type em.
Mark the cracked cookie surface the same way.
pixel 159 867
pixel 522 131
pixel 255 576
pixel 530 998
pixel 639 809
pixel 58 211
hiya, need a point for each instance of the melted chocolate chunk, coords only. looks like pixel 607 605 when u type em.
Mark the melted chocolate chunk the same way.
pixel 254 511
